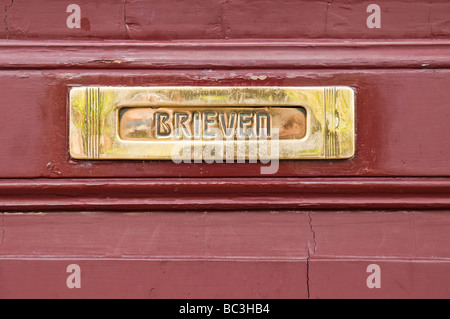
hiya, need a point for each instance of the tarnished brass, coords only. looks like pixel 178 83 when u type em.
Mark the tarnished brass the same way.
pixel 158 122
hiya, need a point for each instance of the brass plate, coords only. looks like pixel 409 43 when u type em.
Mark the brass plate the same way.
pixel 158 122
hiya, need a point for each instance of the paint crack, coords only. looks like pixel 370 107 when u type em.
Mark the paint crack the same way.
pixel 204 233
pixel 308 250
pixel 415 232
pixel 3 231
pixel 429 18
pixel 329 3
pixel 312 232
pixel 307 273
pixel 224 31
pixel 127 28
pixel 5 19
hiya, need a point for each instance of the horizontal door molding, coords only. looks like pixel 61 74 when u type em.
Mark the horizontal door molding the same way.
pixel 224 194
pixel 243 54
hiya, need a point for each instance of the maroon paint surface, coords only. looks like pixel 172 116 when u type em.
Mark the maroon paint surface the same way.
pixel 207 56
pixel 233 255
pixel 214 194
pixel 232 19
pixel 387 206
pixel 401 123
pixel 154 279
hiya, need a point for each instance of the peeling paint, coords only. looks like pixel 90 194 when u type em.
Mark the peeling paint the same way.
pixel 108 61
pixel 53 170
pixel 261 77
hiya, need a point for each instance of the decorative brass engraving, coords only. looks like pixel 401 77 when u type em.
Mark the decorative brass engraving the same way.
pixel 157 122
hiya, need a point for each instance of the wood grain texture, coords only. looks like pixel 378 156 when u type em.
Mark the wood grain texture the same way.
pixel 292 254
pixel 231 19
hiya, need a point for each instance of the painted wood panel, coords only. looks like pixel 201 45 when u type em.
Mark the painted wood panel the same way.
pixel 218 19
pixel 218 194
pixel 292 254
pixel 401 123
pixel 155 229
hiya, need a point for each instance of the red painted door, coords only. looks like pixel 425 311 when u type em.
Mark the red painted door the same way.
pixel 373 226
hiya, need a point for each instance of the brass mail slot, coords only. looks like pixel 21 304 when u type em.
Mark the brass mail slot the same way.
pixel 162 122
pixel 156 124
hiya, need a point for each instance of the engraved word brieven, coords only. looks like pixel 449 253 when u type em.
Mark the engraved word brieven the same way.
pixel 240 125
pixel 156 123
